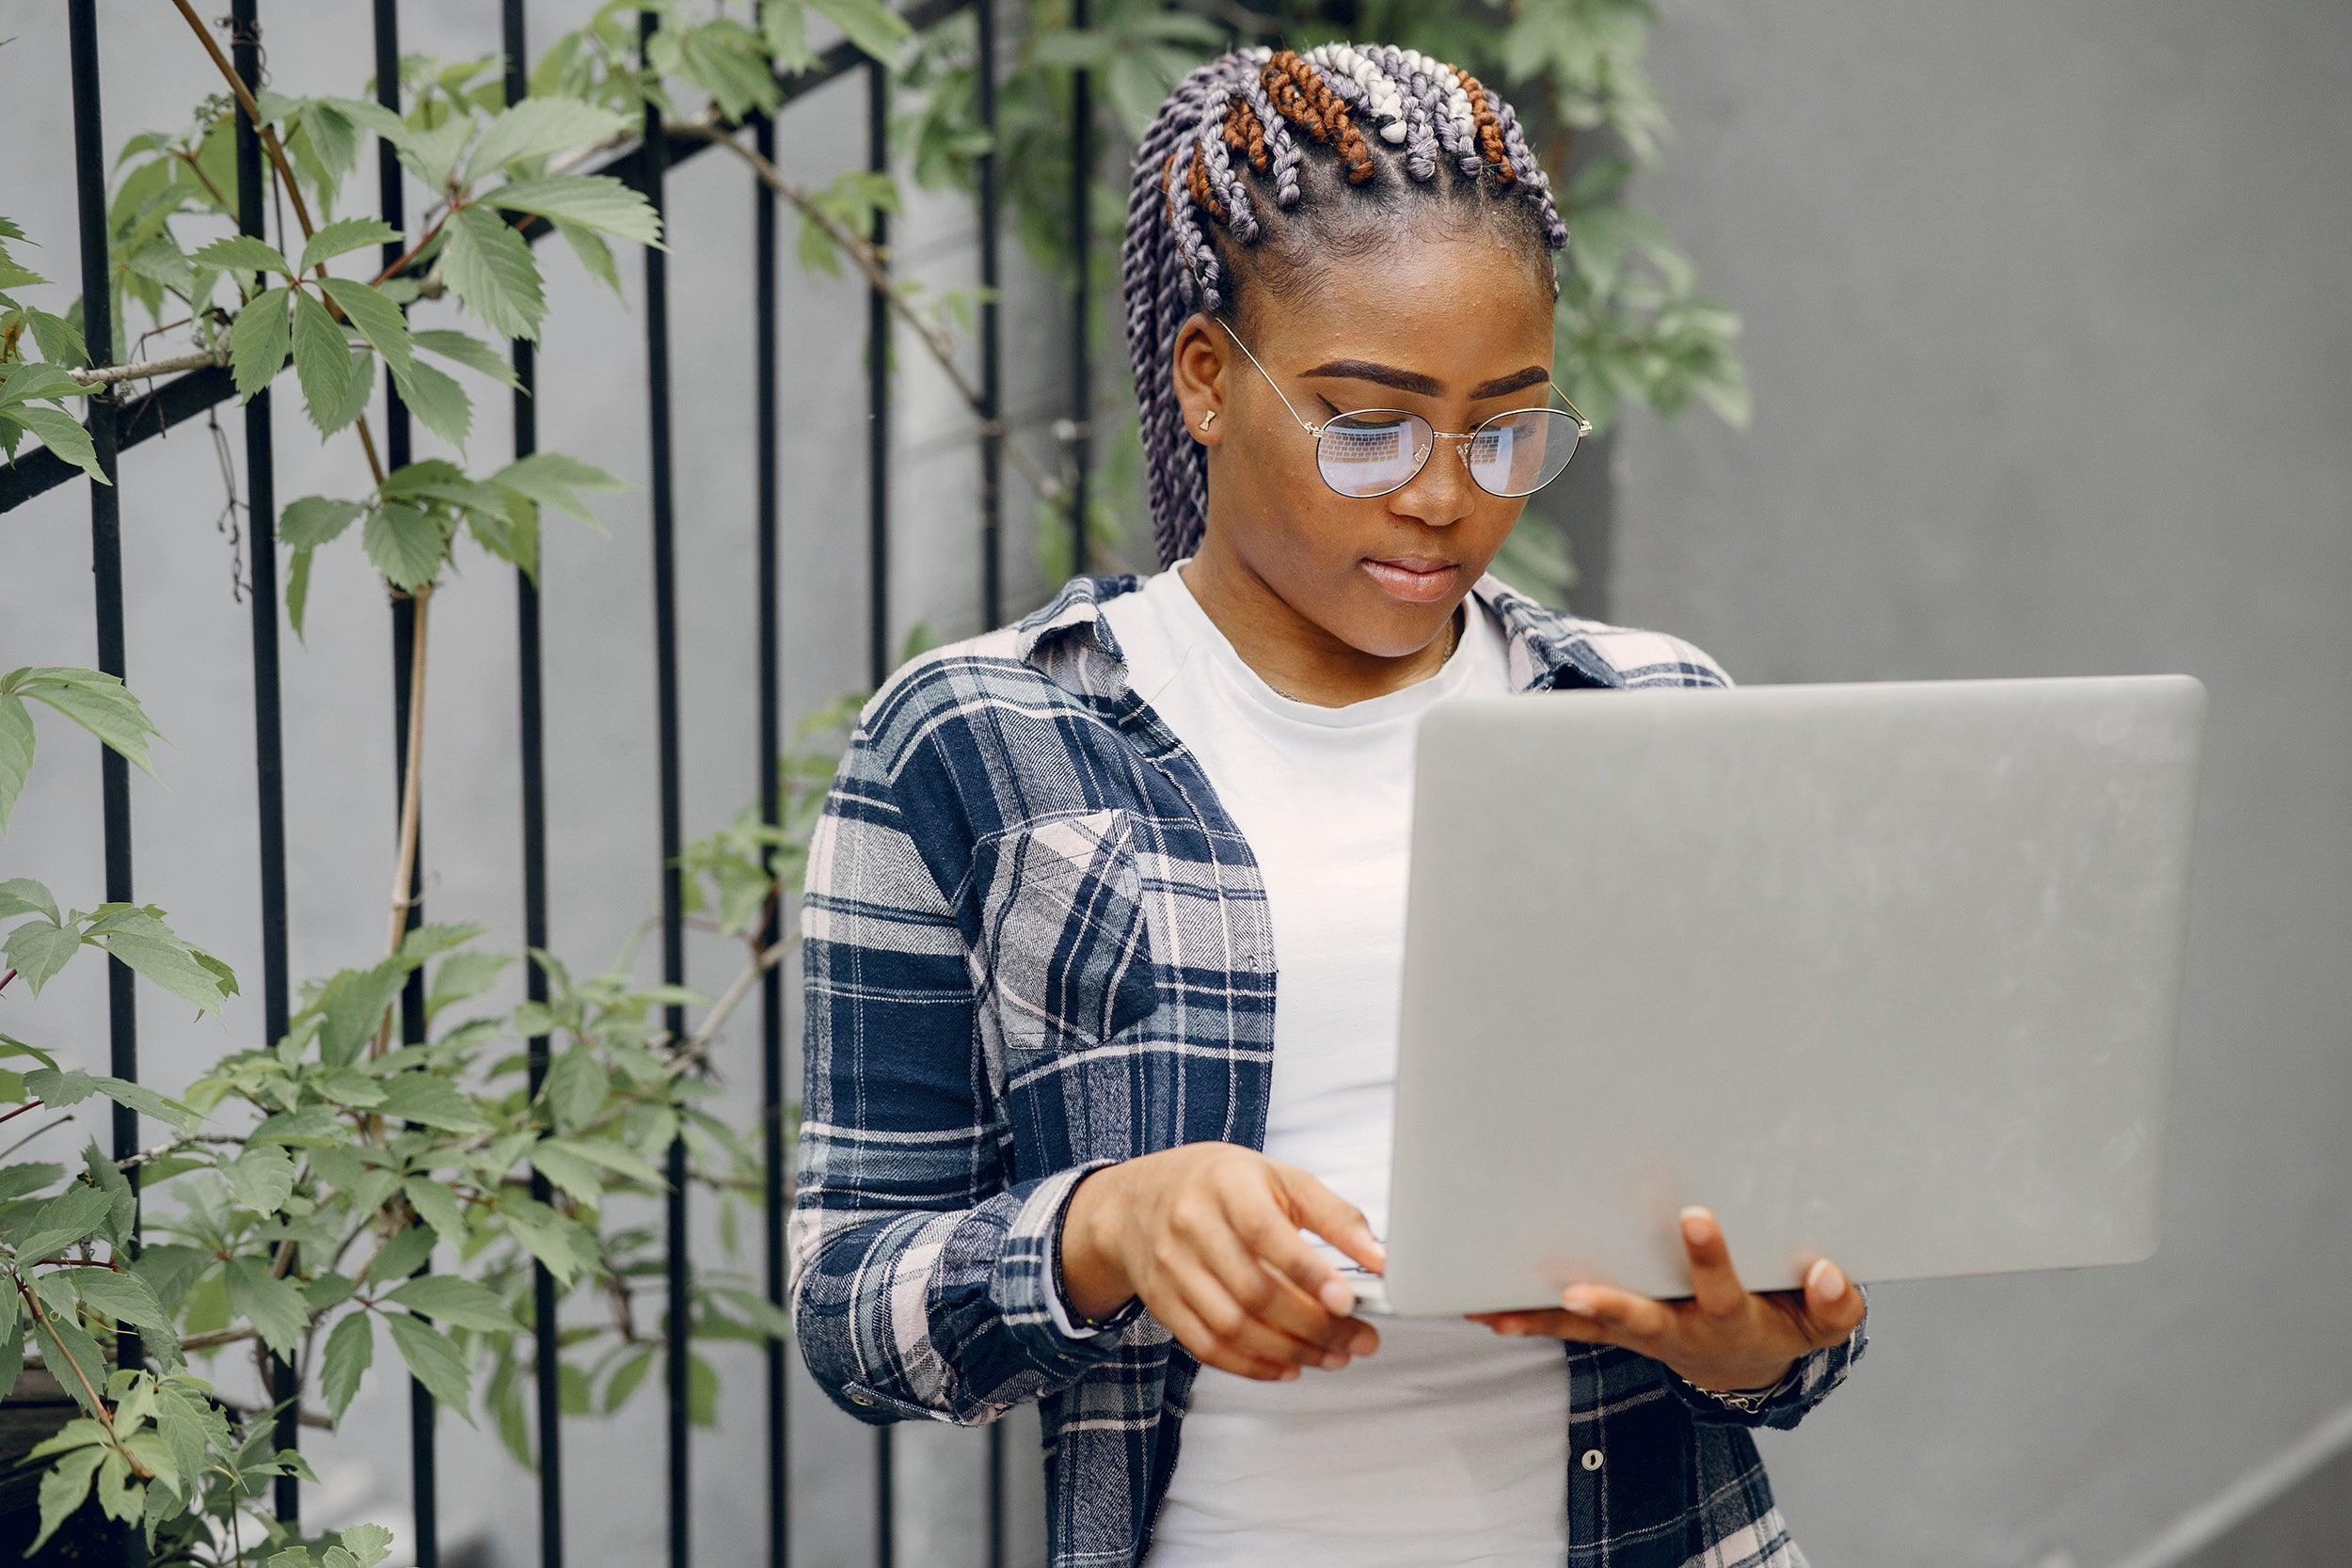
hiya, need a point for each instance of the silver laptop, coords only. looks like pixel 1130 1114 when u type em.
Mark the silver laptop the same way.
pixel 1884 971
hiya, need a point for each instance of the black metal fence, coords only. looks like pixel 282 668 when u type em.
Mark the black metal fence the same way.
pixel 116 424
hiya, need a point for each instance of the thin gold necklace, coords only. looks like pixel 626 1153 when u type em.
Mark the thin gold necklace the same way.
pixel 1453 624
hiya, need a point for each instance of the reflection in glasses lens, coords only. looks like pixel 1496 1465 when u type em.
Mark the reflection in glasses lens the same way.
pixel 1374 451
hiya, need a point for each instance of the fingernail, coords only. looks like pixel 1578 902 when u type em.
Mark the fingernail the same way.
pixel 1362 1343
pixel 1333 1360
pixel 1576 1298
pixel 1338 1297
pixel 1694 1225
pixel 1828 1279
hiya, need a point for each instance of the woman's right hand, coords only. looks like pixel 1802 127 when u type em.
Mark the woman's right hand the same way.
pixel 1207 1234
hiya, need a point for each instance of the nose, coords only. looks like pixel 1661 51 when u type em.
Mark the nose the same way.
pixel 1442 493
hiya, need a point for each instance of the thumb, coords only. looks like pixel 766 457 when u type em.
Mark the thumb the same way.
pixel 1332 1217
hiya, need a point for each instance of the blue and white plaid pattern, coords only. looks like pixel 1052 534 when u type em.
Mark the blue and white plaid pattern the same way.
pixel 1034 944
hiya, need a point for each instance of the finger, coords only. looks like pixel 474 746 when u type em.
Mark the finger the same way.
pixel 1549 1320
pixel 1833 1304
pixel 1265 1293
pixel 1634 1320
pixel 1272 1233
pixel 1196 1337
pixel 1233 1324
pixel 1332 1217
pixel 1714 1284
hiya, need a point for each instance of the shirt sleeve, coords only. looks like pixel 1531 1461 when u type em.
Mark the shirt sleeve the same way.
pixel 920 1282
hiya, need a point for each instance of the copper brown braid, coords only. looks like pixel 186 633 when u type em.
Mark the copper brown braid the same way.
pixel 1489 128
pixel 1245 134
pixel 1301 96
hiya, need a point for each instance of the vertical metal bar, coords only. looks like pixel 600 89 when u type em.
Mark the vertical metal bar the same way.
pixel 1081 241
pixel 666 702
pixel 268 749
pixel 771 812
pixel 878 567
pixel 992 507
pixel 546 1335
pixel 105 529
pixel 424 1471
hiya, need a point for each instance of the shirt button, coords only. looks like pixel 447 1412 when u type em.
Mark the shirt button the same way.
pixel 859 1396
pixel 1592 1459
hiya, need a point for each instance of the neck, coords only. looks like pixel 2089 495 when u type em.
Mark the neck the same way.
pixel 1295 654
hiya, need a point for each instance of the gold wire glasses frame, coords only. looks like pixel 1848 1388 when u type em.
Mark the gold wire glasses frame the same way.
pixel 1367 452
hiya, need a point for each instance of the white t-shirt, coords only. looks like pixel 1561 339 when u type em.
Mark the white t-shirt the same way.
pixel 1450 1442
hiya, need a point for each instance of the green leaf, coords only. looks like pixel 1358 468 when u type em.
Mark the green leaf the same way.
pixel 369 1545
pixel 490 266
pixel 170 1112
pixel 593 254
pixel 273 1306
pixel 343 236
pixel 64 1221
pixel 11 1347
pixel 438 400
pixel 351 1007
pixel 98 702
pixel 297 588
pixel 65 1345
pixel 591 200
pixel 431 1100
pixel 315 520
pixel 60 431
pixel 123 1295
pixel 405 543
pixel 468 351
pixel 377 319
pixel 350 1351
pixel 615 1157
pixel 552 479
pixel 458 1302
pixel 437 1207
pixel 63 1488
pixel 536 127
pixel 403 1255
pixel 575 1176
pixel 23 895
pixel 140 940
pixel 16 764
pixel 434 1362
pixel 257 342
pixel 870 25
pixel 624 1379
pixel 262 1179
pixel 37 950
pixel 576 1086
pixel 242 253
pixel 323 364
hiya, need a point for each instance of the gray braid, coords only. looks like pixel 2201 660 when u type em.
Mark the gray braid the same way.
pixel 1388 119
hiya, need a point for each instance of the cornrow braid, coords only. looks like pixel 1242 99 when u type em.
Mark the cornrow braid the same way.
pixel 1386 121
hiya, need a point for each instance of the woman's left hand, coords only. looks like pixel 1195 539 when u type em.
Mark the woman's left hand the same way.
pixel 1724 1336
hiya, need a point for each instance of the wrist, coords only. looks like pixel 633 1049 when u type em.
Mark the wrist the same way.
pixel 1094 1282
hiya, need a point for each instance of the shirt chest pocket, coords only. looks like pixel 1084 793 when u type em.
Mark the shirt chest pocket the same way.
pixel 1065 953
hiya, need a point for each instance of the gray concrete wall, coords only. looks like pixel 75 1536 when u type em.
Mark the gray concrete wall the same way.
pixel 2048 335
pixel 188 652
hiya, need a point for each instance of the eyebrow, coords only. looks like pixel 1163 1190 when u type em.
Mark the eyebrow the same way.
pixel 1426 385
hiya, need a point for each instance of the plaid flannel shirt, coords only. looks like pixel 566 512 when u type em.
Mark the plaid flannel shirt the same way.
pixel 1033 944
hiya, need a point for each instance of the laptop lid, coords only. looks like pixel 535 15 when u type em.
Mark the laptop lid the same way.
pixel 1889 970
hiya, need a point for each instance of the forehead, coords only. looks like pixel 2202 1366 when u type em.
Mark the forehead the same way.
pixel 1460 309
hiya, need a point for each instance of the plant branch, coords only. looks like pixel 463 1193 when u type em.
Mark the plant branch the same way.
pixel 109 375
pixel 861 252
pixel 411 791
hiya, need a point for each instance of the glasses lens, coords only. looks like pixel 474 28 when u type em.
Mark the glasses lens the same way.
pixel 1374 451
pixel 1514 453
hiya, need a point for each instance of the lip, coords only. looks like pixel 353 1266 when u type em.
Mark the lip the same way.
pixel 1416 580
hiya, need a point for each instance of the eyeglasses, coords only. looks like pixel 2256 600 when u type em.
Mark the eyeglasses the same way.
pixel 1372 452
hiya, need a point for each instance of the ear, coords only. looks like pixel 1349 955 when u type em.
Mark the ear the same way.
pixel 1197 362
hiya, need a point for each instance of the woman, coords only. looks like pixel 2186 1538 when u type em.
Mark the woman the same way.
pixel 1062 1133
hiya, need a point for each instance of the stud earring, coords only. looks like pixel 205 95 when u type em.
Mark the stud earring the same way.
pixel 1206 416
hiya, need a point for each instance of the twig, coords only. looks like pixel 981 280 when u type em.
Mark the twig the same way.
pixel 861 252
pixel 411 791
pixel 109 375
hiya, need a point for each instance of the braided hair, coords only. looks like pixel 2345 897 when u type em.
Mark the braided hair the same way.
pixel 1225 193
